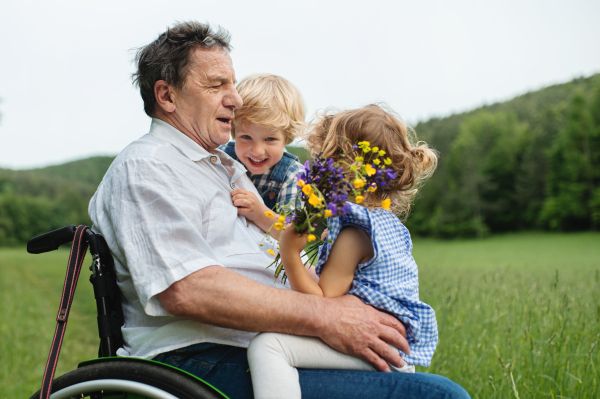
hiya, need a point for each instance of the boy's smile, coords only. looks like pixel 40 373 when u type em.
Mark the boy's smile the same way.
pixel 259 147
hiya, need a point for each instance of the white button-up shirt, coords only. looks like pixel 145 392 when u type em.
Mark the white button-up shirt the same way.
pixel 165 210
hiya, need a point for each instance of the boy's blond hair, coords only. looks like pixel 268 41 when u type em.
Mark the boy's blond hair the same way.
pixel 272 101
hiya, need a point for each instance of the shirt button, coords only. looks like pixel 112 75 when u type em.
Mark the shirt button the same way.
pixel 213 159
pixel 232 185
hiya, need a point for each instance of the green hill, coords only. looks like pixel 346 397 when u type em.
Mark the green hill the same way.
pixel 88 171
pixel 532 162
pixel 497 172
pixel 38 200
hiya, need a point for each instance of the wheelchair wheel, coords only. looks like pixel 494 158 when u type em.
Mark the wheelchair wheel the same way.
pixel 131 379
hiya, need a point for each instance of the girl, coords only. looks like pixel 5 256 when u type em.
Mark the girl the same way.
pixel 367 254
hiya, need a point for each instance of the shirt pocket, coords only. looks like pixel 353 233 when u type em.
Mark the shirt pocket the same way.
pixel 227 235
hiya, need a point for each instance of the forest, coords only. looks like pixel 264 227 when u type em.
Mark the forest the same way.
pixel 530 163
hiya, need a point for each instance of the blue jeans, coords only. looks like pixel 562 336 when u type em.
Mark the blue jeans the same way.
pixel 226 367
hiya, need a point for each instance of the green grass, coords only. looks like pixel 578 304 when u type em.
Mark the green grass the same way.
pixel 518 307
pixel 518 315
pixel 31 286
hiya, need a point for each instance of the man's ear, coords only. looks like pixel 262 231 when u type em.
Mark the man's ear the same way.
pixel 164 95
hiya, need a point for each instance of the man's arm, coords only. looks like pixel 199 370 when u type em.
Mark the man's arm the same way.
pixel 218 296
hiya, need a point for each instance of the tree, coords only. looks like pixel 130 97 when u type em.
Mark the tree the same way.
pixel 570 182
pixel 595 155
pixel 481 171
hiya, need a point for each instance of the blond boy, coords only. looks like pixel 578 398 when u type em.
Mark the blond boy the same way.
pixel 271 117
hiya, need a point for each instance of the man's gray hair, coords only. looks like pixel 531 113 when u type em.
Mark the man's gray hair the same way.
pixel 168 57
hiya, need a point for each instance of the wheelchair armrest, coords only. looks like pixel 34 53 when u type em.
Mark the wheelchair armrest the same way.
pixel 51 240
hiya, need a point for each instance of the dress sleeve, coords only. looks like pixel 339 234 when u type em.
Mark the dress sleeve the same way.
pixel 155 223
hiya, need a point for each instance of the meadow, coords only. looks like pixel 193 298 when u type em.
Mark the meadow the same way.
pixel 518 314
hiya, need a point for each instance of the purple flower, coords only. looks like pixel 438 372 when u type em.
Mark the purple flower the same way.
pixel 332 208
pixel 307 166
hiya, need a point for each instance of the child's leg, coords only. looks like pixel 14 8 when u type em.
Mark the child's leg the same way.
pixel 273 359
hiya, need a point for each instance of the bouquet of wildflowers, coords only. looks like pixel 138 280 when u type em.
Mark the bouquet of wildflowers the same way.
pixel 326 187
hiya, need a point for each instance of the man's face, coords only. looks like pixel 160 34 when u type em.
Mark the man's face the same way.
pixel 205 104
pixel 259 147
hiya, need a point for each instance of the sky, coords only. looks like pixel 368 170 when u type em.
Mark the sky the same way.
pixel 65 66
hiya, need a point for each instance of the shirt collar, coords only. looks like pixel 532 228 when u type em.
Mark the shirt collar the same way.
pixel 188 147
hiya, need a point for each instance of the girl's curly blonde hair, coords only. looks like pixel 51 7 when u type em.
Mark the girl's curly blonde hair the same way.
pixel 333 135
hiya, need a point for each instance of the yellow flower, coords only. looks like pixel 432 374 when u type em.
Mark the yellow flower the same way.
pixel 352 167
pixel 328 213
pixel 359 199
pixel 376 161
pixel 269 214
pixel 300 183
pixel 314 200
pixel 278 226
pixel 270 251
pixel 366 149
pixel 372 188
pixel 358 183
pixel 364 144
pixel 281 219
pixel 387 161
pixel 307 189
pixel 311 238
pixel 381 153
pixel 358 159
pixel 375 149
pixel 385 204
pixel 370 170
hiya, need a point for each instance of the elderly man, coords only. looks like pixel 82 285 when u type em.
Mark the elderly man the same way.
pixel 195 289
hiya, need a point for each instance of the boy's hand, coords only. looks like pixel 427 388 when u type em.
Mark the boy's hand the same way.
pixel 290 242
pixel 248 204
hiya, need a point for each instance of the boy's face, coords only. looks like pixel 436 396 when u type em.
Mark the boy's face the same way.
pixel 259 147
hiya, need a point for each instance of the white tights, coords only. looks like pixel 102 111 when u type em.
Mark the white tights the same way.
pixel 273 359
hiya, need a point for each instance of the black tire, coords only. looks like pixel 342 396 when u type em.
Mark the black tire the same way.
pixel 171 381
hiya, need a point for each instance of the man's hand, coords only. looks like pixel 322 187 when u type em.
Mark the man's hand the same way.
pixel 362 331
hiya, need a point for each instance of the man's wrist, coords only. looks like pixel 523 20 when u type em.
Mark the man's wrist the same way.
pixel 320 309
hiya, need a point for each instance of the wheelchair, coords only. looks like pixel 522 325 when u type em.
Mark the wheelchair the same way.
pixel 108 376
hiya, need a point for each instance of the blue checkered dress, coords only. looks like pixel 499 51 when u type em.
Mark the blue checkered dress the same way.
pixel 389 281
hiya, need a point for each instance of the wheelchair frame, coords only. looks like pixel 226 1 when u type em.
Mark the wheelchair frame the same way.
pixel 109 376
